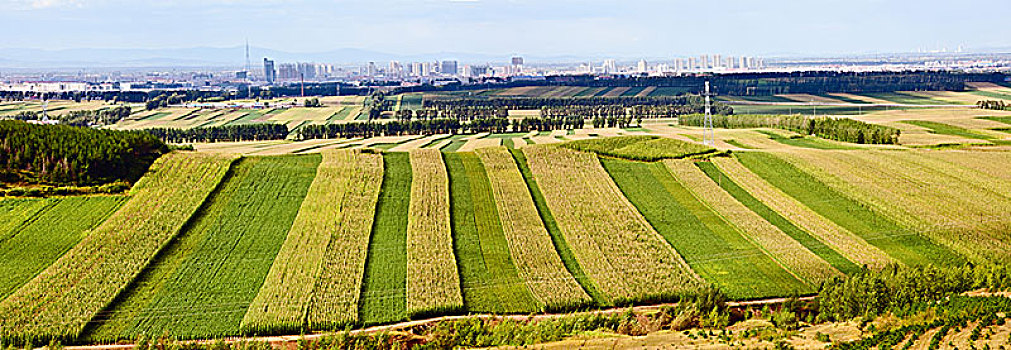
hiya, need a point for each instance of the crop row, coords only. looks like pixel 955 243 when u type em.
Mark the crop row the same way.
pixel 338 286
pixel 851 246
pixel 529 243
pixel 200 285
pixel 780 246
pixel 489 278
pixel 384 287
pixel 46 228
pixel 843 205
pixel 713 247
pixel 910 197
pixel 60 301
pixel 284 300
pixel 433 283
pixel 627 259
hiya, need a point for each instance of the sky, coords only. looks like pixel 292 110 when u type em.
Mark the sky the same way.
pixel 629 28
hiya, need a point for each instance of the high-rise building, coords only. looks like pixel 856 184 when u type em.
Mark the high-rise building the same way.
pixel 307 71
pixel 287 71
pixel 269 74
pixel 717 61
pixel 371 70
pixel 477 71
pixel 693 63
pixel 642 67
pixel 517 61
pixel 428 68
pixel 448 68
pixel 610 66
pixel 679 64
pixel 742 62
pixel 396 70
pixel 729 63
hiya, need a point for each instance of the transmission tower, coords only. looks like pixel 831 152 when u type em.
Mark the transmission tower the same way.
pixel 708 136
pixel 249 78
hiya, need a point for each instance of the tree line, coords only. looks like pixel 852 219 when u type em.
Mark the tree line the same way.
pixel 691 102
pixel 998 105
pixel 244 132
pixel 755 84
pixel 436 126
pixel 839 129
pixel 899 288
pixel 107 116
pixel 66 155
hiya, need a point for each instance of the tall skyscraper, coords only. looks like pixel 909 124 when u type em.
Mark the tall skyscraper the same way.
pixel 642 67
pixel 448 68
pixel 269 74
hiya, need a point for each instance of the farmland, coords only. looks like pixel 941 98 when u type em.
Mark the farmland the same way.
pixel 62 299
pixel 626 259
pixel 319 235
pixel 711 246
pixel 489 278
pixel 239 231
pixel 39 231
pixel 433 283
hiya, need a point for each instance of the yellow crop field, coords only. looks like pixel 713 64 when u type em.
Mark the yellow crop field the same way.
pixel 616 247
pixel 433 283
pixel 942 208
pixel 317 273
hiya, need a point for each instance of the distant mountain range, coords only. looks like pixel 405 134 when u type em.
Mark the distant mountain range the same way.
pixel 223 57
pixel 234 57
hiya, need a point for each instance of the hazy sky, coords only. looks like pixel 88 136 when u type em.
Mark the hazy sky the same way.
pixel 530 27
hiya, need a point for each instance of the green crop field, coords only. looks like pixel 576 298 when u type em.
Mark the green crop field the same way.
pixel 901 244
pixel 384 288
pixel 714 248
pixel 490 280
pixel 948 129
pixel 238 231
pixel 804 141
pixel 36 232
pixel 646 148
pixel 819 248
pixel 78 286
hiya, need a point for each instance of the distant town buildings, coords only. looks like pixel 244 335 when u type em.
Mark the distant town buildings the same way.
pixel 448 68
pixel 269 74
